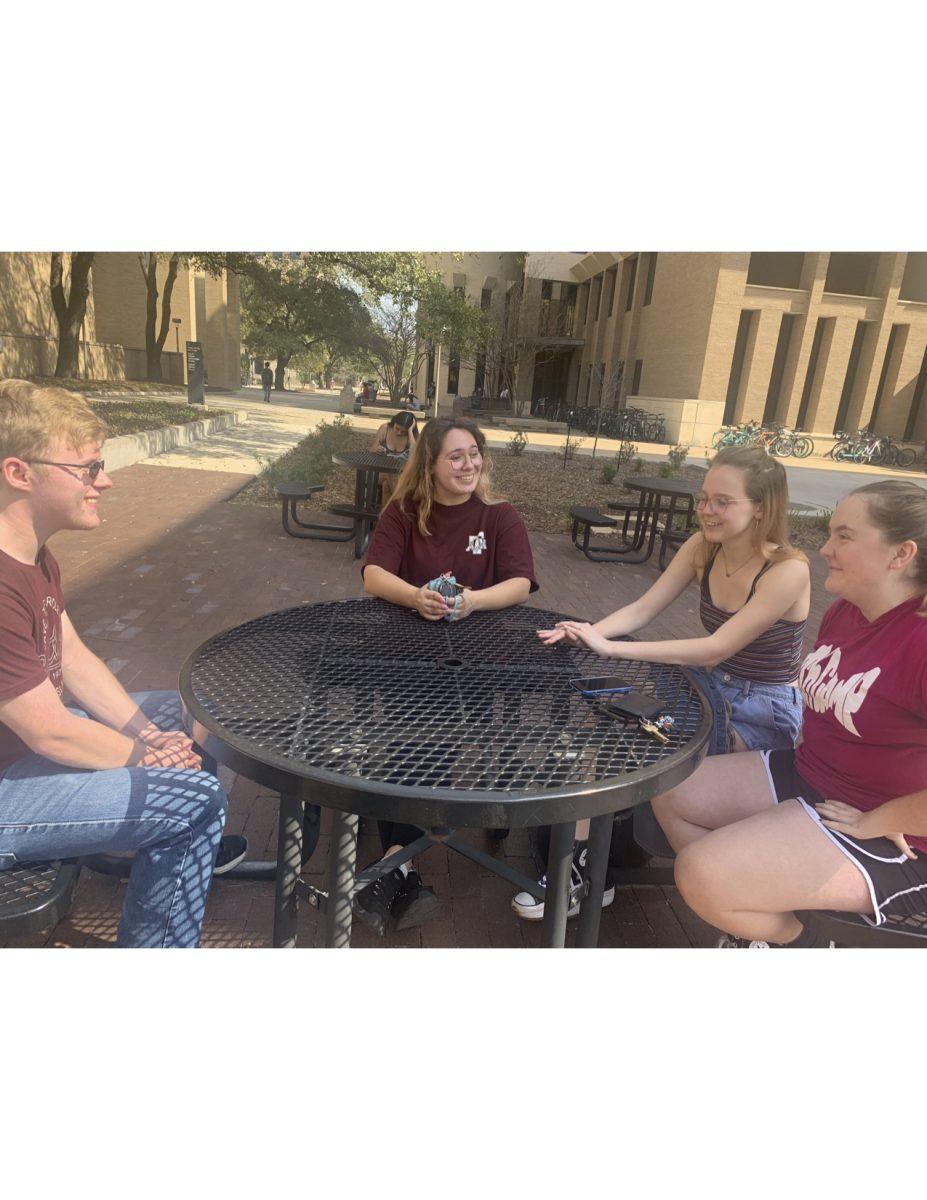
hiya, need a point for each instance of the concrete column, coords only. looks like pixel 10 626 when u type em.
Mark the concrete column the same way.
pixel 758 364
pixel 814 272
pixel 832 372
pixel 889 274
pixel 909 367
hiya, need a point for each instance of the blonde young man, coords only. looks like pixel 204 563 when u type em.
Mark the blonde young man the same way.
pixel 115 774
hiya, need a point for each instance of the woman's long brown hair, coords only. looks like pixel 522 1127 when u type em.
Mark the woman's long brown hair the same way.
pixel 416 482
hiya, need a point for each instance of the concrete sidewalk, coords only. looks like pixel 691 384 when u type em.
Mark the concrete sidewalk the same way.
pixel 272 429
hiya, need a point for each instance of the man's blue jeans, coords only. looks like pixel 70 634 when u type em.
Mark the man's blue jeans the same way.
pixel 171 820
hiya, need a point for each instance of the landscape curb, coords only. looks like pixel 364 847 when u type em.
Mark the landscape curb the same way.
pixel 131 448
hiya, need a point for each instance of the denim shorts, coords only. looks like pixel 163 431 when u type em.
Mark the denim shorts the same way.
pixel 767 716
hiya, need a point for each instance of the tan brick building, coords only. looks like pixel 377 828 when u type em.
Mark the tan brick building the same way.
pixel 113 339
pixel 824 341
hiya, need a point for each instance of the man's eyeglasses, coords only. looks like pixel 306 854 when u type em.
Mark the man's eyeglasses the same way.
pixel 459 459
pixel 719 504
pixel 92 469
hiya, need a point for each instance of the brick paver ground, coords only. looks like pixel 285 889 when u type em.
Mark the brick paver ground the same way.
pixel 174 563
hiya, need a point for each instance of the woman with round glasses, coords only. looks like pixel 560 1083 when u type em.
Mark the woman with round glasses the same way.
pixel 754 597
pixel 442 519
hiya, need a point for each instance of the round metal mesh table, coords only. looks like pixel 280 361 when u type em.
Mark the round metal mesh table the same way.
pixel 363 706
pixel 369 460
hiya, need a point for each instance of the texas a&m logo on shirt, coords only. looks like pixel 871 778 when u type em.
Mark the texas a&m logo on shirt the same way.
pixel 477 543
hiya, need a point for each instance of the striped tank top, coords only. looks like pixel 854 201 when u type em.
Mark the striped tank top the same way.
pixel 774 657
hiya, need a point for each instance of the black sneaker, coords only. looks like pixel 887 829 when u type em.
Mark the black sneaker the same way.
pixel 374 902
pixel 415 903
pixel 529 908
pixel 232 849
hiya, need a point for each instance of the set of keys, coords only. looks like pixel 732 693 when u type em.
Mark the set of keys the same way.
pixel 657 728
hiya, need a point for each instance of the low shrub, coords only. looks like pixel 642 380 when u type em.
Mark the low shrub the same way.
pixel 517 443
pixel 677 456
pixel 608 473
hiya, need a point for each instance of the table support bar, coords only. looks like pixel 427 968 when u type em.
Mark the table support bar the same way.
pixel 557 898
pixel 590 914
pixel 289 862
pixel 341 886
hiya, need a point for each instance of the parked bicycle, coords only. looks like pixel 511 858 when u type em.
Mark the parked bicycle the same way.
pixel 792 442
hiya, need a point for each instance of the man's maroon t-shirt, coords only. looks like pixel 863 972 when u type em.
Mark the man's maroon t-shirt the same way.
pixel 864 733
pixel 482 544
pixel 31 605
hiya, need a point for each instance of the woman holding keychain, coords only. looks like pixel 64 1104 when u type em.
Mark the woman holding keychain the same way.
pixel 445 546
pixel 755 593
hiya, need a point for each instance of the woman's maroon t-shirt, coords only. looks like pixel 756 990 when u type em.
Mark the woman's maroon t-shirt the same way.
pixel 482 544
pixel 864 685
pixel 31 605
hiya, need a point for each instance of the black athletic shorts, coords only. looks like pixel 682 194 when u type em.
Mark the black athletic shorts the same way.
pixel 897 884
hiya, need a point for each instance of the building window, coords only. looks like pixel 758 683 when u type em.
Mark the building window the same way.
pixel 632 277
pixel 547 289
pixel 598 295
pixel 453 374
pixel 585 303
pixel 651 271
pixel 851 274
pixel 485 299
pixel 612 283
pixel 636 380
pixel 776 269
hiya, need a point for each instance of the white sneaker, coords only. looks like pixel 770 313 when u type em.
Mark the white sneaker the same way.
pixel 525 905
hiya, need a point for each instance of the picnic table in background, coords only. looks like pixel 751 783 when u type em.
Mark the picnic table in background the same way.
pixel 369 465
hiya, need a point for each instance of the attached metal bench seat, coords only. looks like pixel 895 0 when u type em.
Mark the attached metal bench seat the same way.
pixel 352 510
pixel 850 929
pixel 36 896
pixel 292 494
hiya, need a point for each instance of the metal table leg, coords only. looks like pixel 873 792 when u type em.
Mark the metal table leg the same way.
pixel 590 913
pixel 289 861
pixel 557 897
pixel 343 861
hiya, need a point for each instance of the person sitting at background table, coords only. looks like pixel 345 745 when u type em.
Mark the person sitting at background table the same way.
pixel 396 436
pixel 443 517
pixel 755 594
pixel 841 822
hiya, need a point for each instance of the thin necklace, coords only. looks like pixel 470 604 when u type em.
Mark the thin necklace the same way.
pixel 728 573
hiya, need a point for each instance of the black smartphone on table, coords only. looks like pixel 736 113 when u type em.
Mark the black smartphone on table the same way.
pixel 602 685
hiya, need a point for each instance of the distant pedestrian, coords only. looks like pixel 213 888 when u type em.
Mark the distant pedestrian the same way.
pixel 414 400
pixel 505 396
pixel 267 381
pixel 430 393
pixel 365 392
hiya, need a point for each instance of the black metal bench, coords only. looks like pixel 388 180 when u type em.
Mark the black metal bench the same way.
pixel 292 494
pixel 36 896
pixel 850 929
pixel 583 520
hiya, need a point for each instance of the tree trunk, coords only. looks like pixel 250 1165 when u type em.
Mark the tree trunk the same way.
pixel 70 310
pixel 283 361
pixel 149 263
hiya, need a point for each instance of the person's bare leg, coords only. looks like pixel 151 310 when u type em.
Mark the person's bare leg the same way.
pixel 750 877
pixel 724 789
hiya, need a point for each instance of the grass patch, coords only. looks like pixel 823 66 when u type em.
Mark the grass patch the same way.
pixel 113 387
pixel 142 416
pixel 311 462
